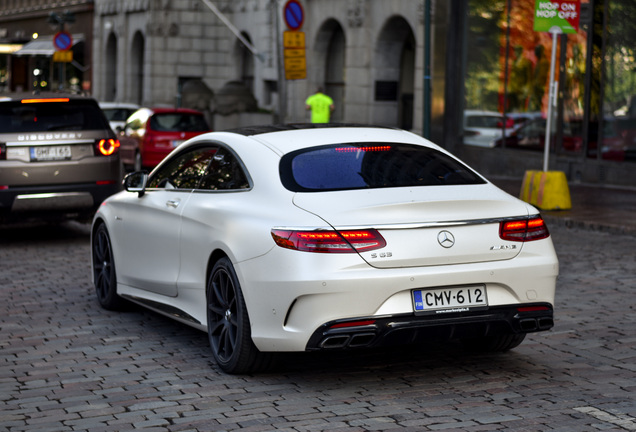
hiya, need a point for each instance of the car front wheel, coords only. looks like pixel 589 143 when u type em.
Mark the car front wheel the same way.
pixel 228 323
pixel 104 276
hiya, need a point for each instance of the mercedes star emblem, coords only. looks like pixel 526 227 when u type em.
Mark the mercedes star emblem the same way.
pixel 445 239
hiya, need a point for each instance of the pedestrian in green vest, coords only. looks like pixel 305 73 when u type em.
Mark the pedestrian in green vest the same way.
pixel 320 105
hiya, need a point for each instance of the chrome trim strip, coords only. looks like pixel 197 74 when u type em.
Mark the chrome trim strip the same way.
pixel 407 226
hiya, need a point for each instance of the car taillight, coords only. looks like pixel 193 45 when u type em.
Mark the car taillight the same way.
pixel 522 230
pixel 329 241
pixel 106 147
pixel 3 151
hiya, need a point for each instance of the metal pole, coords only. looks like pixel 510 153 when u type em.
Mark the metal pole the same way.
pixel 551 98
pixel 280 61
pixel 426 126
pixel 234 30
pixel 506 73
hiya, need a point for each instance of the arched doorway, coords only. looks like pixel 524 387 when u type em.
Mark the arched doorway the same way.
pixel 137 68
pixel 330 62
pixel 110 69
pixel 394 73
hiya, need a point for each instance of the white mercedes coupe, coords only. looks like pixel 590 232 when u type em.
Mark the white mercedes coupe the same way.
pixel 322 237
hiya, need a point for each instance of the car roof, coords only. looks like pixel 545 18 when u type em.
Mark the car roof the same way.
pixel 165 110
pixel 482 113
pixel 118 105
pixel 290 137
pixel 8 97
pixel 263 129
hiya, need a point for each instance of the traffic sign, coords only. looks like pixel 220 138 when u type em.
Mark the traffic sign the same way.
pixel 62 41
pixel 561 16
pixel 294 55
pixel 293 39
pixel 293 14
pixel 65 56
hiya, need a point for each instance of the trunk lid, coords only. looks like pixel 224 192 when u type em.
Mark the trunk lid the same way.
pixel 424 226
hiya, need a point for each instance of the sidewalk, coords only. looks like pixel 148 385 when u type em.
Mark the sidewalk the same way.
pixel 593 207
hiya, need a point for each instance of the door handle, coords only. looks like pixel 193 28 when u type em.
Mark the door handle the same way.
pixel 173 203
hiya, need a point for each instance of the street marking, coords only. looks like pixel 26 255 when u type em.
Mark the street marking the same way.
pixel 622 421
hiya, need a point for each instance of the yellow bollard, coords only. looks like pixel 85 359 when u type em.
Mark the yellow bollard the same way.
pixel 547 190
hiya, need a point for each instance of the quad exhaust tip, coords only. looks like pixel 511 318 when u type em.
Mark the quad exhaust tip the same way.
pixel 536 324
pixel 347 341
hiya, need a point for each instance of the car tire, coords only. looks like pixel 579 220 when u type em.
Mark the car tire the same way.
pixel 137 164
pixel 228 323
pixel 496 343
pixel 104 274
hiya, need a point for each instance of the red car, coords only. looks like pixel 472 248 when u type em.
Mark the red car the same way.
pixel 150 134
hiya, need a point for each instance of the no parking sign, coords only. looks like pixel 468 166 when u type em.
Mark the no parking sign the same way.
pixel 293 14
pixel 62 41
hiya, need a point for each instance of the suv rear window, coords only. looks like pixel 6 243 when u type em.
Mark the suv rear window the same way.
pixel 17 117
pixel 178 122
pixel 371 165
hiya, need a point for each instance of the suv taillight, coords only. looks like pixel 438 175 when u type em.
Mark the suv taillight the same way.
pixel 106 147
pixel 324 241
pixel 3 151
pixel 523 230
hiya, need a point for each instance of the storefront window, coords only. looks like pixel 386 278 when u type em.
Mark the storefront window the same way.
pixel 619 101
pixel 507 75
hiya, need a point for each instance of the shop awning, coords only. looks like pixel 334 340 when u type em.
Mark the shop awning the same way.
pixel 43 46
pixel 9 48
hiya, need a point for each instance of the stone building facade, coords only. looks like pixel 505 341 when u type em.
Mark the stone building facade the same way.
pixel 367 55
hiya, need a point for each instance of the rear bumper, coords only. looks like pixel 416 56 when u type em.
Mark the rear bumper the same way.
pixel 54 201
pixel 410 328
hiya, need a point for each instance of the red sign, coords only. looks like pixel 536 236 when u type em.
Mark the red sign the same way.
pixel 62 41
pixel 293 14
pixel 561 14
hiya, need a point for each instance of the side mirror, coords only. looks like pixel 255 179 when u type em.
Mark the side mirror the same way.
pixel 136 182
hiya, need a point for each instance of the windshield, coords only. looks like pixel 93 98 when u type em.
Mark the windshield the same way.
pixel 17 117
pixel 118 114
pixel 178 122
pixel 371 165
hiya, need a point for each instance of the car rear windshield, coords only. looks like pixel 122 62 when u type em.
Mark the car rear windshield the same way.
pixel 178 122
pixel 371 165
pixel 17 117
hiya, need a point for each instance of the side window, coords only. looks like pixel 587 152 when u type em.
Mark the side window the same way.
pixel 224 173
pixel 185 170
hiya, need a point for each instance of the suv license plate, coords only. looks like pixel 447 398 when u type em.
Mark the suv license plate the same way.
pixel 446 300
pixel 48 153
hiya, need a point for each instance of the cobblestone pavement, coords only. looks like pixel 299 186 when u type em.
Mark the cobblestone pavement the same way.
pixel 67 365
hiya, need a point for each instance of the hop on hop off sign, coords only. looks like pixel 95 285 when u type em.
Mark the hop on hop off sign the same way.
pixel 555 15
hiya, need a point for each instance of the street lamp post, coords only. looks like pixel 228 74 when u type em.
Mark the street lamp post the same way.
pixel 59 22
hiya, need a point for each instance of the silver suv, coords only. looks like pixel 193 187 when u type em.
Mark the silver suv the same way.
pixel 59 159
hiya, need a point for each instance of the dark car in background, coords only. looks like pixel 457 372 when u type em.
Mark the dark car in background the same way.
pixel 59 158
pixel 531 136
pixel 151 133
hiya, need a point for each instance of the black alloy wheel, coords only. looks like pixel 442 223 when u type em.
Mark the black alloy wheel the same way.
pixel 228 323
pixel 104 276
